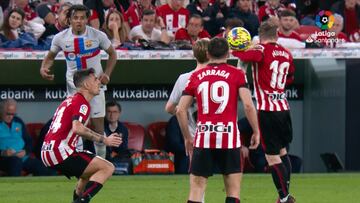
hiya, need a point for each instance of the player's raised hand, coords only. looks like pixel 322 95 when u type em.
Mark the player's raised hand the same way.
pixel 45 73
pixel 114 140
pixel 255 141
pixel 104 79
pixel 189 146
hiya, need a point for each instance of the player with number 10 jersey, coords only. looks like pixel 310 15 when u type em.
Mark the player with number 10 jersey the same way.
pixel 270 74
pixel 216 88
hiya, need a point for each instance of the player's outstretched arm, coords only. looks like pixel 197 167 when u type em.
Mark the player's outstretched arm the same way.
pixel 181 115
pixel 46 65
pixel 251 115
pixel 114 140
pixel 110 65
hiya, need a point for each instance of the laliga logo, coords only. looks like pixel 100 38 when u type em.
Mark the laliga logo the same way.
pixel 324 20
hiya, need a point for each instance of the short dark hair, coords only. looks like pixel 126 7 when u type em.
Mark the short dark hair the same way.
pixel 197 16
pixel 81 75
pixel 287 13
pixel 233 22
pixel 147 12
pixel 113 103
pixel 218 48
pixel 78 7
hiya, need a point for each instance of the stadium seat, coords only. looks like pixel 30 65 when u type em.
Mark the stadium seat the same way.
pixel 34 131
pixel 136 136
pixel 306 30
pixel 157 131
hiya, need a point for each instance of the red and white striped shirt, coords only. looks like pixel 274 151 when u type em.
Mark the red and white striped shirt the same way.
pixel 60 141
pixel 273 68
pixel 216 88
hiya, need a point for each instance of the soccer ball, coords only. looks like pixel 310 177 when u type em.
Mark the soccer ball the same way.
pixel 239 39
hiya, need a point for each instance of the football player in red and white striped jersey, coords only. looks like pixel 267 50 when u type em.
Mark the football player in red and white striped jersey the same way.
pixel 68 125
pixel 216 88
pixel 273 69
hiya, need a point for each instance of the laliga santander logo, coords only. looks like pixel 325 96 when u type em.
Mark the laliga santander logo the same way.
pixel 324 20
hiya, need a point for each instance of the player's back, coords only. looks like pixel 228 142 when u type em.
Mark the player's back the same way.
pixel 270 76
pixel 216 88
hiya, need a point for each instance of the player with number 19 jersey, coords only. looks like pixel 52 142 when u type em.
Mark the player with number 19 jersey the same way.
pixel 270 74
pixel 216 88
pixel 60 141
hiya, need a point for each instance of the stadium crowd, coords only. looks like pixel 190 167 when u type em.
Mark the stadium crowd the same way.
pixel 177 24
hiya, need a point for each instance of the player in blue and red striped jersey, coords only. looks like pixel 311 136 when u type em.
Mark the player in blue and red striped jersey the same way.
pixel 216 88
pixel 273 69
pixel 68 125
pixel 81 45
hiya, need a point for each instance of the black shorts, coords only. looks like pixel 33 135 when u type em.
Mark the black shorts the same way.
pixel 276 130
pixel 203 161
pixel 75 164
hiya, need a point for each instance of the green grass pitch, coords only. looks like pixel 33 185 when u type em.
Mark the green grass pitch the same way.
pixel 307 188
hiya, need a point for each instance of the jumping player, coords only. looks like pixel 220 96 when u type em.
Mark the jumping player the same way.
pixel 273 69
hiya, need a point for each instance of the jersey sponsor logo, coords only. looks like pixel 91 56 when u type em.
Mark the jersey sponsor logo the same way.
pixel 219 128
pixel 276 96
pixel 83 109
pixel 72 56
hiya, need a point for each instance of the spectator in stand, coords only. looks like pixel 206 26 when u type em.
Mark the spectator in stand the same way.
pixel 222 9
pixel 16 144
pixel 288 22
pixel 230 23
pixel 306 11
pixel 61 22
pixel 350 10
pixel 12 34
pixel 113 125
pixel 271 8
pixel 173 15
pixel 116 29
pixel 47 11
pixel 135 11
pixel 30 13
pixel 1 16
pixel 242 10
pixel 147 29
pixel 209 14
pixel 98 10
pixel 193 31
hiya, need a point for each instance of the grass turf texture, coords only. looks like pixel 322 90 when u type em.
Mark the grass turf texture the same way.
pixel 307 188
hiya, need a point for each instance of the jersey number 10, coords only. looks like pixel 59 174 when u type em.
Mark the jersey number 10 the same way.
pixel 279 73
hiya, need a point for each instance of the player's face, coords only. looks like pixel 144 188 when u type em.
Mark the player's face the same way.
pixel 148 23
pixel 112 114
pixel 93 85
pixel 9 113
pixel 194 27
pixel 78 21
pixel 15 20
pixel 287 22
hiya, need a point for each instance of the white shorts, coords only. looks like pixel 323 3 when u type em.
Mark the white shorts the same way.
pixel 97 104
